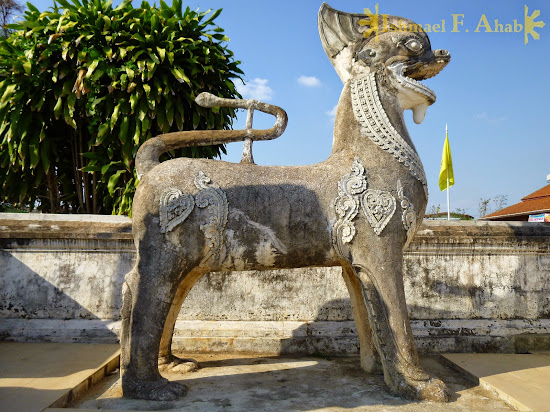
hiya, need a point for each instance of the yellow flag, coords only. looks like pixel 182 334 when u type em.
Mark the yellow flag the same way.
pixel 446 166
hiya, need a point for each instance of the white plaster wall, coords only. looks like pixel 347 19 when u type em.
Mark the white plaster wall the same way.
pixel 469 285
pixel 509 285
pixel 58 282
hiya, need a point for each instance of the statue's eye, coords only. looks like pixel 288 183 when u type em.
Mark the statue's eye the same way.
pixel 413 45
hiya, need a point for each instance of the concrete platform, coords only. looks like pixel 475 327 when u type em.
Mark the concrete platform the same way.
pixel 521 380
pixel 273 383
pixel 35 376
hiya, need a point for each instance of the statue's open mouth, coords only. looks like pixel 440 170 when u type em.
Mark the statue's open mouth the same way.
pixel 406 76
pixel 409 74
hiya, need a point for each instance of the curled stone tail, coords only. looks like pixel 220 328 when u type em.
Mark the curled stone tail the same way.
pixel 149 153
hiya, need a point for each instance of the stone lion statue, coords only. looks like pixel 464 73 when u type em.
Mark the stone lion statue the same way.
pixel 358 209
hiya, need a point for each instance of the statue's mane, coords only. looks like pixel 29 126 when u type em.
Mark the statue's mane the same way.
pixel 338 29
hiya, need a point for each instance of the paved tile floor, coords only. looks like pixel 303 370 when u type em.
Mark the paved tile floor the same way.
pixel 35 375
pixel 522 380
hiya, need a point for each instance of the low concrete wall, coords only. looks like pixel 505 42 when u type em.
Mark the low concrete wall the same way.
pixel 470 286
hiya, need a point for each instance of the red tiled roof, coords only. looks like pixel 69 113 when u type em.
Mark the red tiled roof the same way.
pixel 536 202
pixel 544 192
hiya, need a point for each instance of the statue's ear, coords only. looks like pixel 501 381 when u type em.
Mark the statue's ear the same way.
pixel 338 31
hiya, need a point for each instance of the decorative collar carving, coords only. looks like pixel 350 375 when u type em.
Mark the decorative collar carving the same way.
pixel 376 125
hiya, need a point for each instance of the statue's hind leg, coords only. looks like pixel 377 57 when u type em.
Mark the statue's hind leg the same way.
pixel 370 360
pixel 168 361
pixel 148 293
pixel 382 284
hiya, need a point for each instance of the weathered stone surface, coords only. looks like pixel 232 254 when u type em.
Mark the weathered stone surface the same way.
pixel 487 272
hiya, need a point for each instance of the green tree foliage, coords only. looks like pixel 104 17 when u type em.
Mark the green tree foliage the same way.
pixel 7 10
pixel 83 85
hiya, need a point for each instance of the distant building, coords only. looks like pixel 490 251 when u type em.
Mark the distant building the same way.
pixel 536 205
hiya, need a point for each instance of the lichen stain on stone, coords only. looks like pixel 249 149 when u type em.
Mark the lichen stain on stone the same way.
pixel 215 281
pixel 235 252
pixel 266 254
pixel 253 241
pixel 543 262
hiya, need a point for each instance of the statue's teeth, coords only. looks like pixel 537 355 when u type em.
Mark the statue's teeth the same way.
pixel 419 112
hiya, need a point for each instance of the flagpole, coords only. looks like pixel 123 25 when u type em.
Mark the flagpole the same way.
pixel 448 188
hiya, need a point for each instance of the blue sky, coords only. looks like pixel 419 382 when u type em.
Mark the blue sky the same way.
pixel 494 94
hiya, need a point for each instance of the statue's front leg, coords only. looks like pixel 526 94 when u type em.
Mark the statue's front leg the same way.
pixel 382 285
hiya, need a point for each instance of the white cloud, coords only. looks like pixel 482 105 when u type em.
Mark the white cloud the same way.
pixel 490 119
pixel 256 89
pixel 332 112
pixel 309 81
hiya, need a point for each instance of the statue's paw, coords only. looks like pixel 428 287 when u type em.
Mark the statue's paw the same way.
pixel 430 389
pixel 157 390
pixel 177 365
pixel 433 390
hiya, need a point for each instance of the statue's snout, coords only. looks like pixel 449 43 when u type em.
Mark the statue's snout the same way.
pixel 440 53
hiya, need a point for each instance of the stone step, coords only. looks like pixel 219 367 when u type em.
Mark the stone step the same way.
pixel 531 342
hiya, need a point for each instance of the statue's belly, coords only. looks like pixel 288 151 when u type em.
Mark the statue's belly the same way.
pixel 275 226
